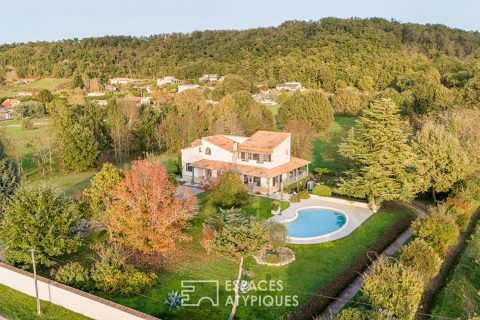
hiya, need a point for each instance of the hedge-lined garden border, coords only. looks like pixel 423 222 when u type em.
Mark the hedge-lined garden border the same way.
pixel 342 280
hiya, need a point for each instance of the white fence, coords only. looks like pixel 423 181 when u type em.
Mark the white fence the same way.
pixel 70 298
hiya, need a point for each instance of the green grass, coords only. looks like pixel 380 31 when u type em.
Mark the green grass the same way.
pixel 325 148
pixel 460 298
pixel 16 305
pixel 314 267
pixel 48 83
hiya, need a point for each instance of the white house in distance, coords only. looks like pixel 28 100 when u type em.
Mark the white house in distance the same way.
pixel 120 81
pixel 167 80
pixel 262 161
pixel 184 87
pixel 210 77
pixel 289 86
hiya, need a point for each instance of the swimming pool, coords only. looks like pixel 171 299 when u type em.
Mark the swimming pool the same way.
pixel 315 222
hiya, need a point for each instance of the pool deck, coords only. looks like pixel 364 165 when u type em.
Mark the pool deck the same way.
pixel 356 212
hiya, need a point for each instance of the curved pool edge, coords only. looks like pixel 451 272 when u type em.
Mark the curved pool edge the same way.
pixel 316 239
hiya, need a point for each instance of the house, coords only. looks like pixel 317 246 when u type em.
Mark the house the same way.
pixel 95 94
pixel 145 101
pixel 121 81
pixel 184 87
pixel 263 161
pixel 264 98
pixel 289 86
pixel 24 94
pixel 110 88
pixel 100 103
pixel 6 108
pixel 210 77
pixel 167 80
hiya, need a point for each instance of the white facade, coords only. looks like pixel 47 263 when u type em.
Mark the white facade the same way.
pixel 263 171
pixel 290 86
pixel 167 80
pixel 117 81
pixel 210 77
pixel 184 87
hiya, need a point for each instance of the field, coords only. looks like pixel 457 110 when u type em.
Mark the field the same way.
pixel 314 267
pixel 460 296
pixel 50 84
pixel 19 306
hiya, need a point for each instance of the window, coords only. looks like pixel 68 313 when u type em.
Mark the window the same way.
pixel 208 151
pixel 256 156
pixel 257 181
pixel 208 173
pixel 243 156
pixel 268 157
pixel 189 167
pixel 286 151
pixel 200 149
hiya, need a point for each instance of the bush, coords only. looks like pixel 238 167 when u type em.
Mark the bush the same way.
pixel 113 275
pixel 296 186
pixel 277 235
pixel 29 109
pixel 460 209
pixel 439 230
pixel 275 205
pixel 75 275
pixel 393 288
pixel 295 198
pixel 322 190
pixel 304 194
pixel 419 256
pixel 27 124
pixel 228 190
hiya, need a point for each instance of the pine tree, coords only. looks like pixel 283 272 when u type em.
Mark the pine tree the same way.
pixel 382 161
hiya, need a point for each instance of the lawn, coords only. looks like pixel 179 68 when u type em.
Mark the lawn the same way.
pixel 314 267
pixel 48 83
pixel 325 148
pixel 460 297
pixel 23 307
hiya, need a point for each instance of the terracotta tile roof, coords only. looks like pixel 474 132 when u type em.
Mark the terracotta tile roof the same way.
pixel 9 103
pixel 263 141
pixel 196 143
pixel 221 141
pixel 251 170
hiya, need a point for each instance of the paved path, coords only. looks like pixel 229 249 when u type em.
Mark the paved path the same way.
pixel 337 305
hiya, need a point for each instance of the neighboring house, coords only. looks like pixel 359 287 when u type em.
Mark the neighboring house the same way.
pixel 184 87
pixel 110 88
pixel 95 94
pixel 145 101
pixel 210 77
pixel 101 103
pixel 24 94
pixel 120 81
pixel 6 108
pixel 264 98
pixel 290 86
pixel 167 80
pixel 262 161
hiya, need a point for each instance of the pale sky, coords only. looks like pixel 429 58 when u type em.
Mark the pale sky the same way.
pixel 33 20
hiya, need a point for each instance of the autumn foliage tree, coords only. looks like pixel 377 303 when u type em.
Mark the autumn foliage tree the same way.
pixel 147 214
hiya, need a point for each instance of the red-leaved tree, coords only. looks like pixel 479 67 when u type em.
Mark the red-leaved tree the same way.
pixel 147 213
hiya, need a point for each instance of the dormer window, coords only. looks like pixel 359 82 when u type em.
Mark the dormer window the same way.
pixel 208 151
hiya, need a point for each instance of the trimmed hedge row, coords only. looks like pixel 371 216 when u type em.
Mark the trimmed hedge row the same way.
pixel 341 281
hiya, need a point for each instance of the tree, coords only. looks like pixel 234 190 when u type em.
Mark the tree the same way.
pixel 348 101
pixel 438 230
pixel 236 237
pixel 80 149
pixel 228 190
pixel 252 115
pixel 302 138
pixel 29 109
pixel 45 96
pixel 393 288
pixel 9 181
pixel 40 218
pixel 311 107
pixel 442 161
pixel 146 213
pixel 421 258
pixel 99 194
pixel 380 157
pixel 277 235
pixel 77 82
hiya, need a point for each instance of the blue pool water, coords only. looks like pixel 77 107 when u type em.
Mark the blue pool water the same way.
pixel 315 222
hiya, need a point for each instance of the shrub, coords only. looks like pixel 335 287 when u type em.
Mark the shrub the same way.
pixel 393 288
pixel 296 186
pixel 460 209
pixel 277 235
pixel 295 198
pixel 272 258
pixel 439 230
pixel 75 275
pixel 419 256
pixel 322 190
pixel 229 190
pixel 27 124
pixel 304 194
pixel 275 205
pixel 360 314
pixel 29 109
pixel 113 275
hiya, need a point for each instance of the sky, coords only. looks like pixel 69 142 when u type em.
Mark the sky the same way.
pixel 47 20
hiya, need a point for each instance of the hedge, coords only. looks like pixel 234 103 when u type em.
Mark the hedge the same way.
pixel 318 303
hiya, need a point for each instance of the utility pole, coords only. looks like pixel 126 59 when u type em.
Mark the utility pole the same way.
pixel 35 277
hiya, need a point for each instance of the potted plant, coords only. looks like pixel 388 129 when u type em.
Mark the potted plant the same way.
pixel 275 207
